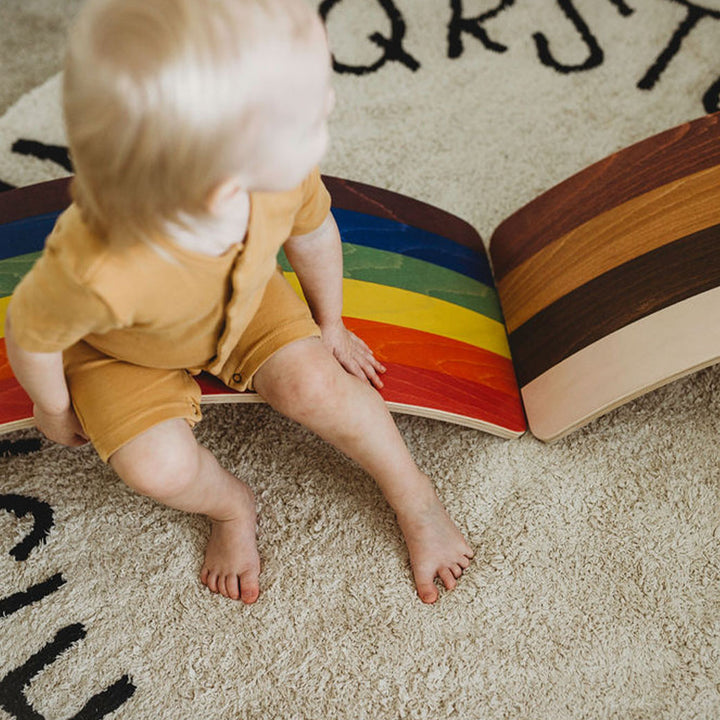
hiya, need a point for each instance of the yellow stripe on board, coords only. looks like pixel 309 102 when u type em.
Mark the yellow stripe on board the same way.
pixel 370 301
pixel 4 302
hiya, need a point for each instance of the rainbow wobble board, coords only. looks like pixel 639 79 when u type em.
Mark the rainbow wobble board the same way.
pixel 417 288
pixel 609 285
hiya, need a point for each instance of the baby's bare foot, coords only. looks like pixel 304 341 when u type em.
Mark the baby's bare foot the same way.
pixel 436 546
pixel 232 563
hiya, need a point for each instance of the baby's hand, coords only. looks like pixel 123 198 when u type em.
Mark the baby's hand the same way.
pixel 63 427
pixel 353 354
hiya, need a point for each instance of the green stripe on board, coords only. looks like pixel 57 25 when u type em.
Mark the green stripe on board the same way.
pixel 395 306
pixel 13 269
pixel 408 273
pixel 360 263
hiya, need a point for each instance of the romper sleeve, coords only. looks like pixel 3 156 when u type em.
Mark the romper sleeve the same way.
pixel 52 308
pixel 315 205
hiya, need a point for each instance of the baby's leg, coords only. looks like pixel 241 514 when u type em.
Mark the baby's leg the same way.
pixel 167 464
pixel 304 382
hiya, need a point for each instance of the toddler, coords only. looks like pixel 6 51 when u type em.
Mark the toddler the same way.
pixel 195 128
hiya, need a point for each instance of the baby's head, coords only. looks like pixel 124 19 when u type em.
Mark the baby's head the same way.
pixel 167 100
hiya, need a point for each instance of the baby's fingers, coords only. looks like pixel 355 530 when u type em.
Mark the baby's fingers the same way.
pixel 371 367
pixel 363 369
pixel 377 365
pixel 371 374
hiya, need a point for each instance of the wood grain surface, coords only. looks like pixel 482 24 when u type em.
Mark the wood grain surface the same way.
pixel 16 408
pixel 414 348
pixel 418 288
pixel 399 270
pixel 348 194
pixel 642 356
pixel 46 197
pixel 609 302
pixel 617 236
pixel 636 170
pixel 417 311
pixel 387 234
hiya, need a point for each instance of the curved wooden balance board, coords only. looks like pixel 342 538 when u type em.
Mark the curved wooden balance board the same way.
pixel 417 288
pixel 610 281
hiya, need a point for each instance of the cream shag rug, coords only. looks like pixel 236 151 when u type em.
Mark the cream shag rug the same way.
pixel 595 592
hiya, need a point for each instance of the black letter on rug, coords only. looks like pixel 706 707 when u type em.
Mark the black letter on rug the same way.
pixel 57 153
pixel 623 9
pixel 459 25
pixel 20 506
pixel 13 700
pixel 33 594
pixel 694 15
pixel 393 46
pixel 596 55
pixel 14 448
pixel 711 99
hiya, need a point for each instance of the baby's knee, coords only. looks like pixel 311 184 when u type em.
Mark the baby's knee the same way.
pixel 160 472
pixel 307 392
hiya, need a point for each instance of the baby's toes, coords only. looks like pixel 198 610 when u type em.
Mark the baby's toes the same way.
pixel 210 579
pixel 249 589
pixel 231 588
pixel 425 586
pixel 447 577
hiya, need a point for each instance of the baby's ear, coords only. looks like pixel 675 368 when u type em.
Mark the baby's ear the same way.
pixel 222 195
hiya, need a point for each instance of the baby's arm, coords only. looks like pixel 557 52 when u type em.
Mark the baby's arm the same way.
pixel 317 260
pixel 43 379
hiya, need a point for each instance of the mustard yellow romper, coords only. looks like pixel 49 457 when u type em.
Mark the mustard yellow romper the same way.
pixel 136 321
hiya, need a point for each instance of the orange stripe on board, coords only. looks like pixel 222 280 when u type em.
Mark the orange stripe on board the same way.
pixel 414 348
pixel 480 384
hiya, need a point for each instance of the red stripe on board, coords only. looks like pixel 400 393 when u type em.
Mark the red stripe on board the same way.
pixel 433 390
pixel 14 402
pixel 406 384
pixel 15 405
pixel 210 385
pixel 5 370
pixel 415 348
pixel 436 373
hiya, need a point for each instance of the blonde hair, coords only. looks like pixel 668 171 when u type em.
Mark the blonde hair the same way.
pixel 161 101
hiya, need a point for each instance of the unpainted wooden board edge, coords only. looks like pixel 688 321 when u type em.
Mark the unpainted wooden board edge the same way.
pixel 402 408
pixel 231 397
pixel 629 397
pixel 14 425
pixel 455 419
pixel 642 356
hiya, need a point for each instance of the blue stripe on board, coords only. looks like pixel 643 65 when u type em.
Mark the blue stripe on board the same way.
pixel 20 237
pixel 28 235
pixel 391 235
